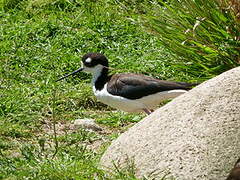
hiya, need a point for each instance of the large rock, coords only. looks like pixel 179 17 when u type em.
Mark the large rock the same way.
pixel 195 136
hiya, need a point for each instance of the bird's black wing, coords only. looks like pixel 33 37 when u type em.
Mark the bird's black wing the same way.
pixel 134 86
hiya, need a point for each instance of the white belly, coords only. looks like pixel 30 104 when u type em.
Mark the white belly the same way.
pixel 128 105
pixel 152 101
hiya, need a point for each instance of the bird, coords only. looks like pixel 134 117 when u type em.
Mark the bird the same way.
pixel 129 92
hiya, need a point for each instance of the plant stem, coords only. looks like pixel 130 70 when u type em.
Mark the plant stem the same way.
pixel 54 119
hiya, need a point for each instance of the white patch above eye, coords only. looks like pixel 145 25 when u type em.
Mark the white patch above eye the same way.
pixel 88 60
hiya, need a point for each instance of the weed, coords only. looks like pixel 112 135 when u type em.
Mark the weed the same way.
pixel 204 34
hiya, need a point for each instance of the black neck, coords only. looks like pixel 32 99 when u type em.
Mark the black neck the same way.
pixel 102 79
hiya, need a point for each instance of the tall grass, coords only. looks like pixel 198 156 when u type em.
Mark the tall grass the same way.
pixel 203 34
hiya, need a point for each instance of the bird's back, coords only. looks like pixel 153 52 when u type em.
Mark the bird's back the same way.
pixel 135 86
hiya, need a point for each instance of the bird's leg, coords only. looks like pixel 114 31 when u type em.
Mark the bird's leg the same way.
pixel 147 111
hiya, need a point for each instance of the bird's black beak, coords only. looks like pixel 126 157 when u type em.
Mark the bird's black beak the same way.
pixel 74 72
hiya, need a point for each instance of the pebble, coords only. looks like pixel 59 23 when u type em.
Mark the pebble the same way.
pixel 88 124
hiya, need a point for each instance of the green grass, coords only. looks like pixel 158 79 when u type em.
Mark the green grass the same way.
pixel 42 40
pixel 39 43
pixel 204 34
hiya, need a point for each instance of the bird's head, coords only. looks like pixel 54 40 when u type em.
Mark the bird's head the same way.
pixel 91 62
pixel 94 62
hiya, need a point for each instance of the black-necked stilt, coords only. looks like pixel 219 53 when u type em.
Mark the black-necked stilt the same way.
pixel 128 91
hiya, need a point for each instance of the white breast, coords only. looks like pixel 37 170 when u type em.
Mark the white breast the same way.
pixel 117 101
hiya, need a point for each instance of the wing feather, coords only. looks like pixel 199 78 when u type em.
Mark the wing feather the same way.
pixel 134 86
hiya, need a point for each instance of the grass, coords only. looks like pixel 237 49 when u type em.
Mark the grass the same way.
pixel 205 34
pixel 41 42
pixel 43 39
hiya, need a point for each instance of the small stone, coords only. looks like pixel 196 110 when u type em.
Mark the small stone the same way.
pixel 86 124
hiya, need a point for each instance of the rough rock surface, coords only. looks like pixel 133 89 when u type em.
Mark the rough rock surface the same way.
pixel 195 136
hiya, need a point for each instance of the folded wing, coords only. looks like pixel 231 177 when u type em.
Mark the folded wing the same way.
pixel 135 86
